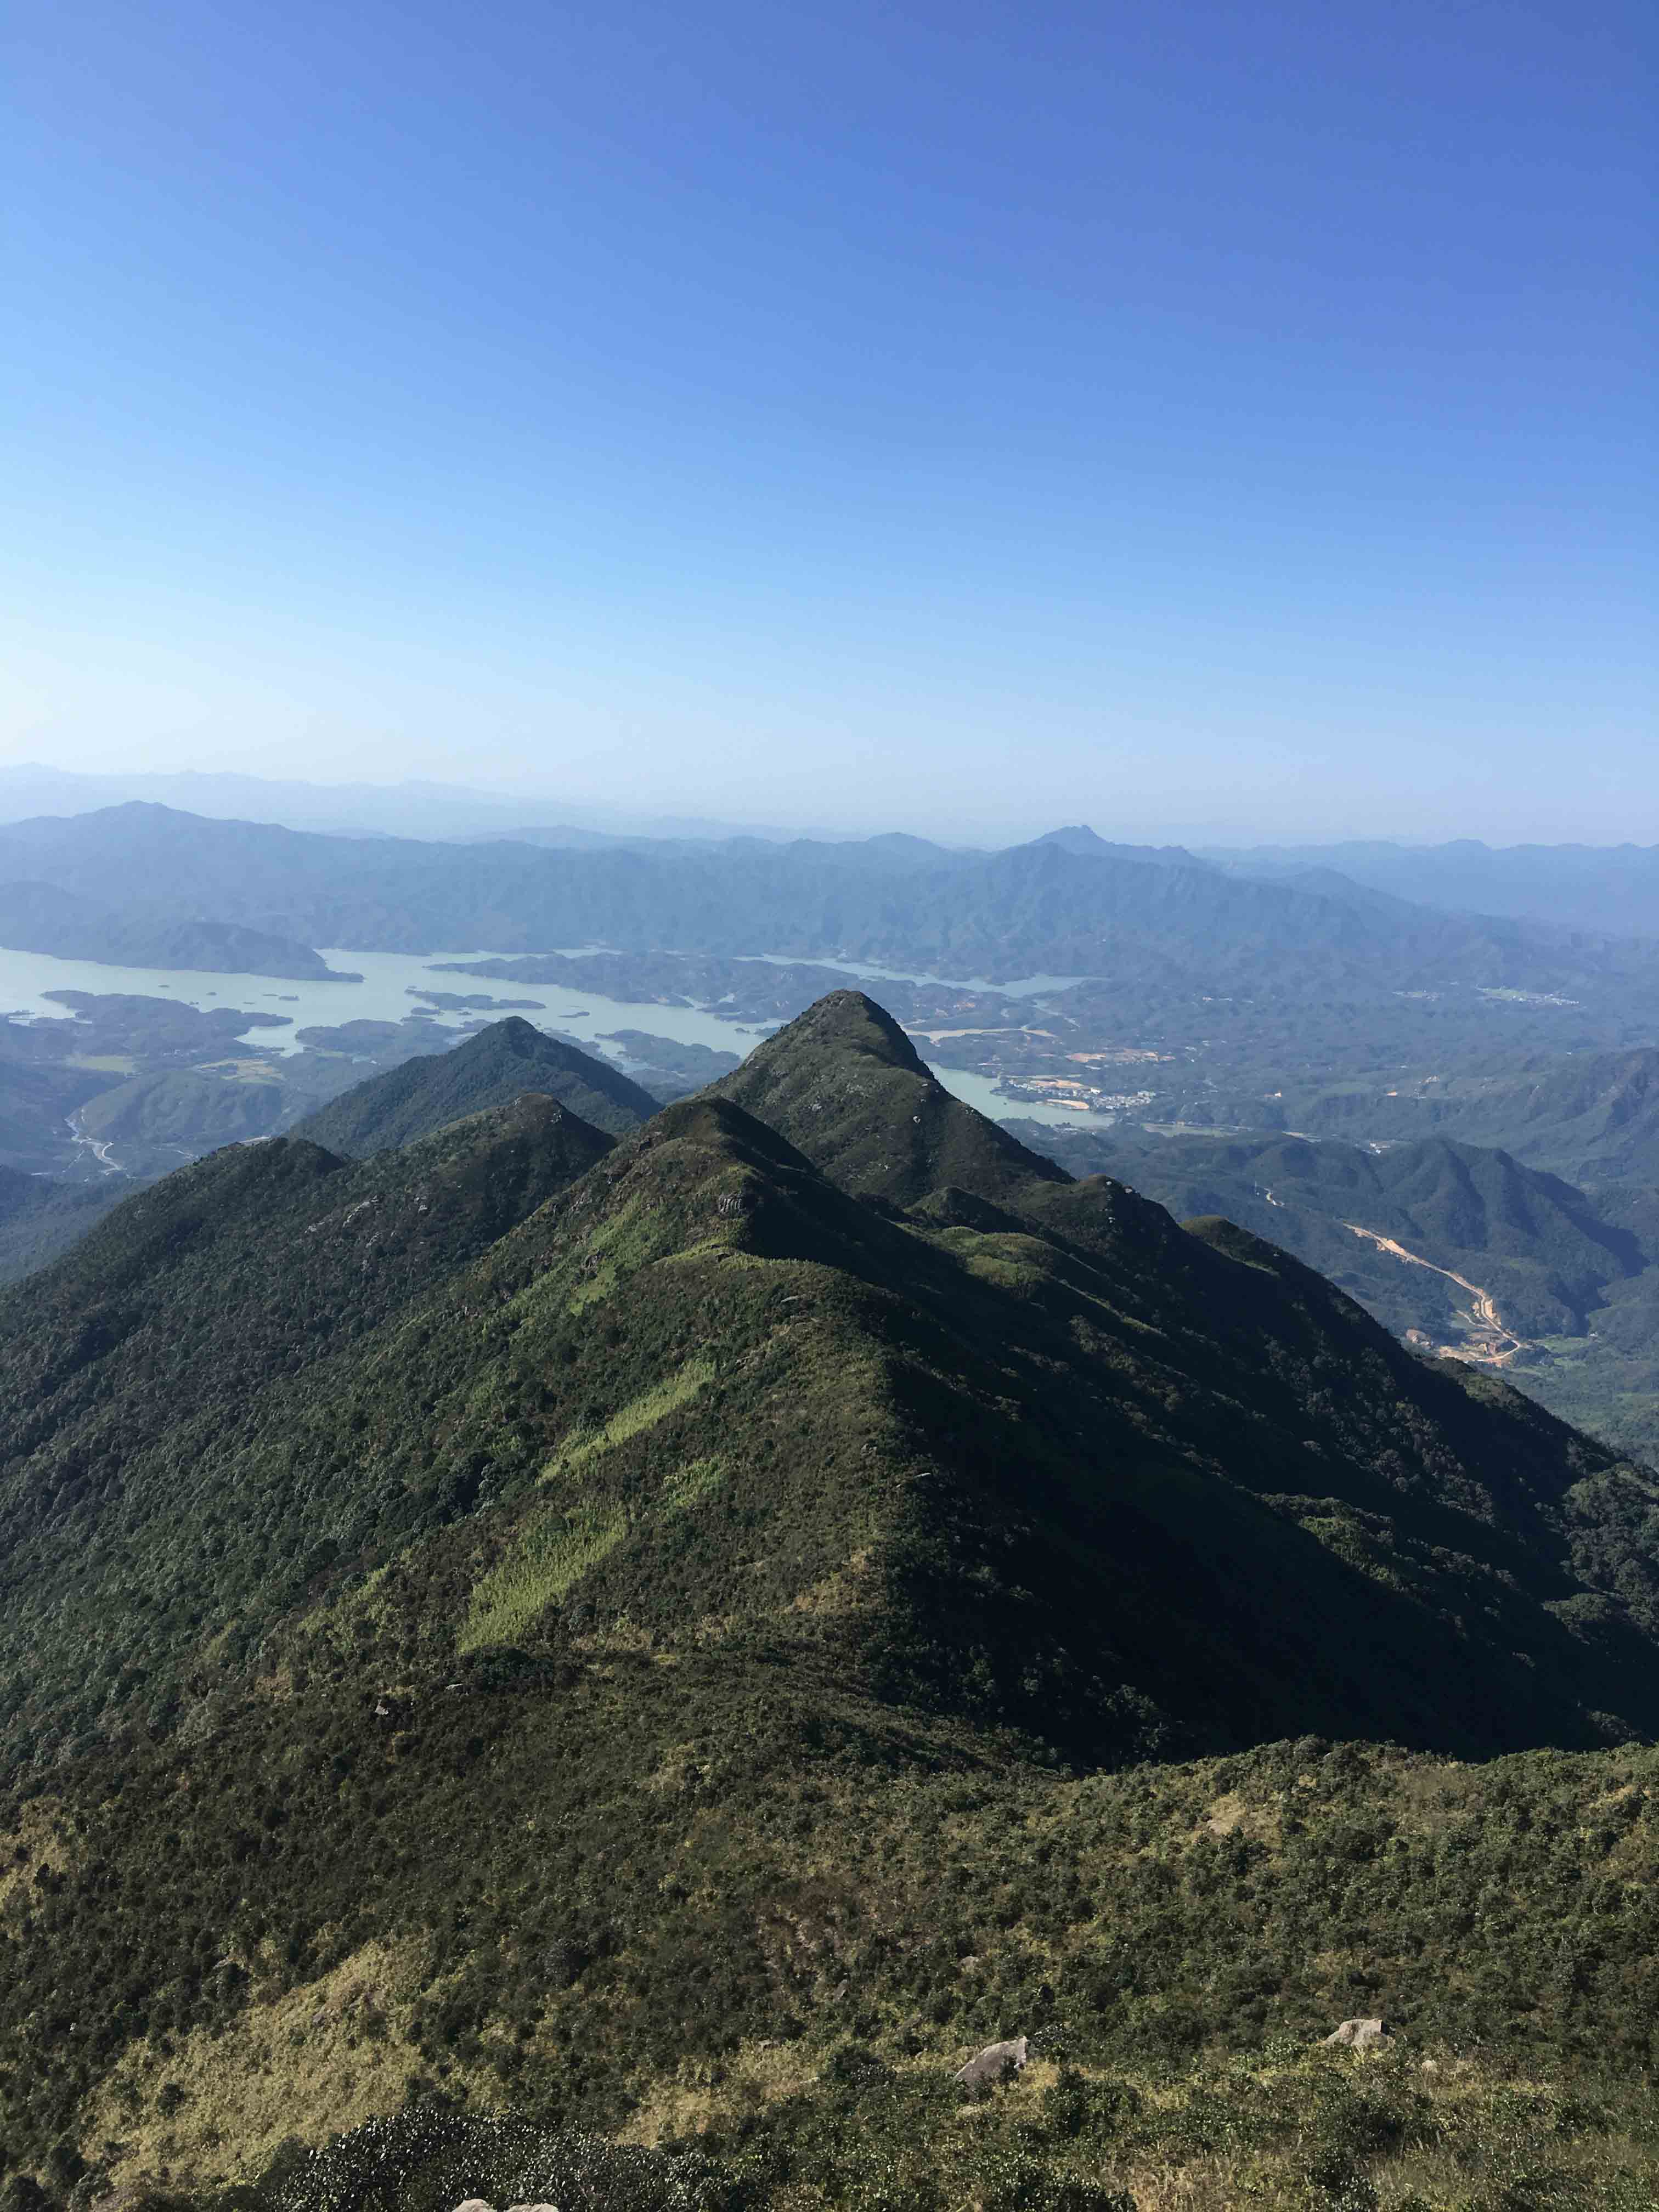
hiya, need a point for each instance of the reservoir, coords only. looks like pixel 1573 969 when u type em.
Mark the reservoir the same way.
pixel 383 995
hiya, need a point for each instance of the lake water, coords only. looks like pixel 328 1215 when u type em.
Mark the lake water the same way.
pixel 1023 986
pixel 383 996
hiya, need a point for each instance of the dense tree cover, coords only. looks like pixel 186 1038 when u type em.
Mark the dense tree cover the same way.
pixel 40 1217
pixel 667 1634
pixel 198 1323
pixel 491 1069
pixel 178 1107
pixel 1573 1273
pixel 145 933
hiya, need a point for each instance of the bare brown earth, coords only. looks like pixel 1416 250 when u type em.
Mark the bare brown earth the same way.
pixel 1490 1344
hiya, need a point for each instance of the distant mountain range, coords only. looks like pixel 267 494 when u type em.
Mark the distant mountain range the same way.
pixel 413 808
pixel 1591 1117
pixel 1609 888
pixel 38 917
pixel 1065 904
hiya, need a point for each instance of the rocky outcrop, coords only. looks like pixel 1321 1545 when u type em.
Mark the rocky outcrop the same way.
pixel 1358 2035
pixel 478 2204
pixel 984 2069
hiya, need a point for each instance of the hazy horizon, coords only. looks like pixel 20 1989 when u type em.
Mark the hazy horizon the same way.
pixel 530 808
pixel 1216 428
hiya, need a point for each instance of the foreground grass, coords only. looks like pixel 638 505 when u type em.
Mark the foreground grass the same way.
pixel 849 2131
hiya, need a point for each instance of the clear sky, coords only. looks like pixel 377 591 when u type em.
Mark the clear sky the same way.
pixel 1199 419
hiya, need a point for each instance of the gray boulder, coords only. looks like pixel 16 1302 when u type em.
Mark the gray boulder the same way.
pixel 984 2069
pixel 1358 2035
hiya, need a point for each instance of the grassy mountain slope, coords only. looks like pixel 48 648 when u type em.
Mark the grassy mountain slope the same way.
pixel 746 1910
pixel 196 1323
pixel 490 1069
pixel 1067 1469
pixel 459 1617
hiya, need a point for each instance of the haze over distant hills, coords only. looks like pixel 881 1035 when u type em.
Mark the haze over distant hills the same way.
pixel 1067 902
pixel 413 808
pixel 1614 888
pixel 150 933
pixel 1611 888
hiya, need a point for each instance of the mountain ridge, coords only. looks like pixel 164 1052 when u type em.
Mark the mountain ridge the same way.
pixel 466 1613
pixel 1040 906
pixel 492 1068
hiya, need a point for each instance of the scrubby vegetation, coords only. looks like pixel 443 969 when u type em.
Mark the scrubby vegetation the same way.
pixel 536 1664
pixel 691 1906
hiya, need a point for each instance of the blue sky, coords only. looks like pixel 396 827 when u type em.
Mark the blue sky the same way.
pixel 1206 420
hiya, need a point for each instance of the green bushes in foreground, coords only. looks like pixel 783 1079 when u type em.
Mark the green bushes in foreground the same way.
pixel 1309 2130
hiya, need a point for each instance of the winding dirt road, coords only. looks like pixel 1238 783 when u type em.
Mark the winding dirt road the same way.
pixel 1494 1345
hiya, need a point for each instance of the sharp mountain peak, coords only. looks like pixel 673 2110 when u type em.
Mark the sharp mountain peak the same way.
pixel 846 1087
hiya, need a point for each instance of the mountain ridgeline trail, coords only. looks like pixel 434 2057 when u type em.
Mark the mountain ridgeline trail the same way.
pixel 408 1562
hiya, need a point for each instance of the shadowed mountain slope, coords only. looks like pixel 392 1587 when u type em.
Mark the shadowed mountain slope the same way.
pixel 1449 1244
pixel 1541 1245
pixel 1045 1459
pixel 490 1069
pixel 39 1218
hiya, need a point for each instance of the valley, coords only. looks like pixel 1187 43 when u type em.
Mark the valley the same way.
pixel 1487 1342
pixel 243 1056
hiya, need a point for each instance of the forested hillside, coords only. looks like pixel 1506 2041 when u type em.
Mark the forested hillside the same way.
pixel 792 1525
pixel 1455 1246
pixel 500 1064
pixel 1068 903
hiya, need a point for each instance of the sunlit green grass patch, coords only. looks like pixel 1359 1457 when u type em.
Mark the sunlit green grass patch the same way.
pixel 554 1552
pixel 641 1412
pixel 688 1484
